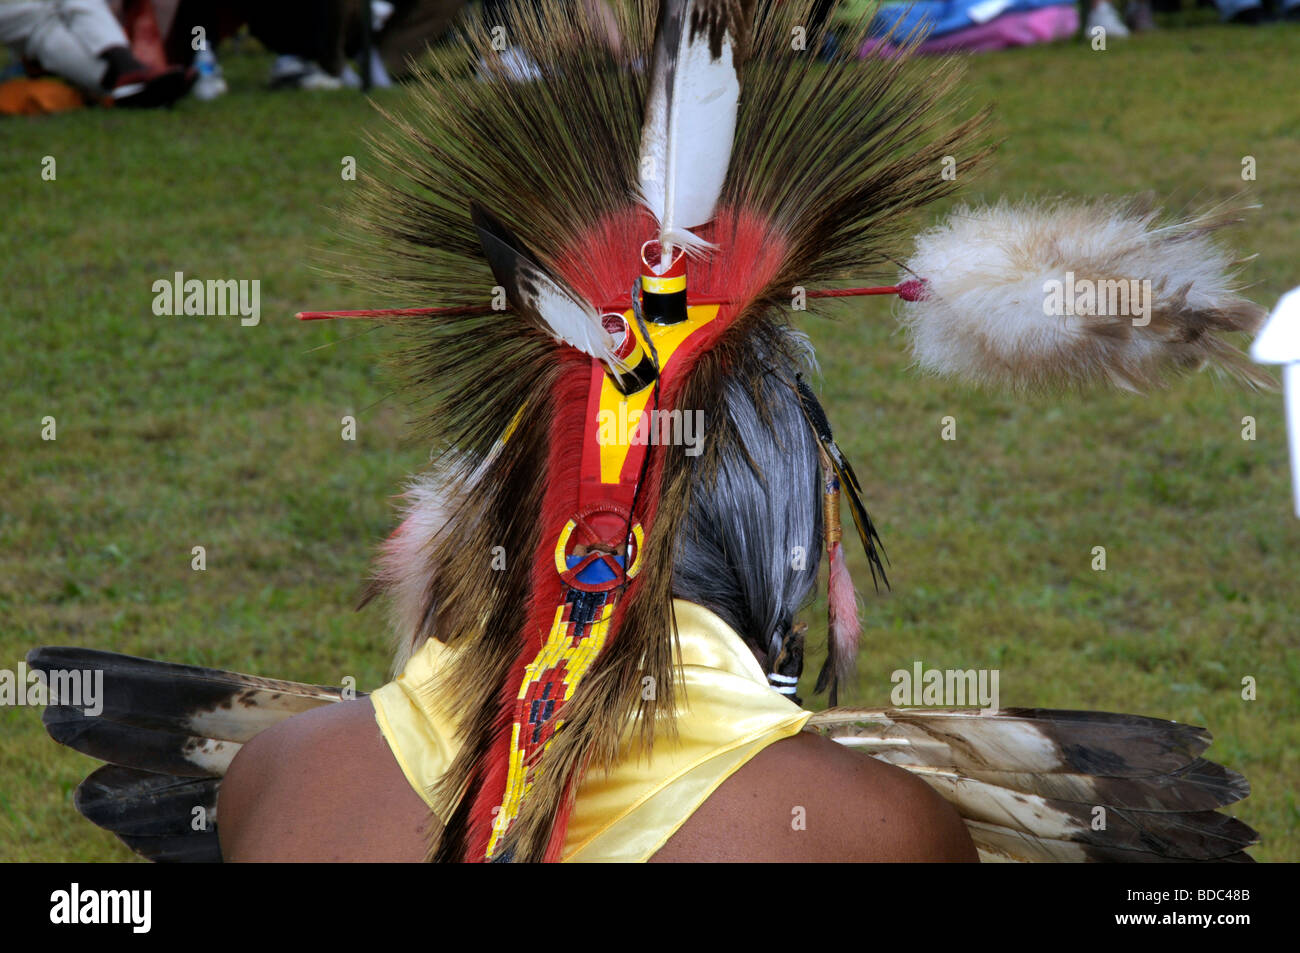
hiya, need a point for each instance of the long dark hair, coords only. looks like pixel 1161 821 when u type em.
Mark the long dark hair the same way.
pixel 751 544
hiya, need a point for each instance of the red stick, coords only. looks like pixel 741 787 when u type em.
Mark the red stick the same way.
pixel 913 290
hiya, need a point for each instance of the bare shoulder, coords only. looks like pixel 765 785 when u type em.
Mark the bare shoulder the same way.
pixel 321 786
pixel 324 786
pixel 810 799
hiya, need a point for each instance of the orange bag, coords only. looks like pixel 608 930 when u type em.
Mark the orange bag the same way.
pixel 38 97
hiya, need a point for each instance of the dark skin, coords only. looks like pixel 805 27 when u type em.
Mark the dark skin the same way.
pixel 323 786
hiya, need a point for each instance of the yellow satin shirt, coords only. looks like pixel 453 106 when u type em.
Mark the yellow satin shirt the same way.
pixel 726 714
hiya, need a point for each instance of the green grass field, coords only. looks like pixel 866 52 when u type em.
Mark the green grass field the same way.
pixel 174 432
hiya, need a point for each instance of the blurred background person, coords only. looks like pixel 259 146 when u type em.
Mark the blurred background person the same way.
pixel 82 42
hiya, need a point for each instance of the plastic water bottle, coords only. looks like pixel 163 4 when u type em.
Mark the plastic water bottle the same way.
pixel 210 83
pixel 205 61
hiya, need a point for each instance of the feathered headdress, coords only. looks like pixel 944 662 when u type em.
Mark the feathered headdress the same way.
pixel 644 220
pixel 603 197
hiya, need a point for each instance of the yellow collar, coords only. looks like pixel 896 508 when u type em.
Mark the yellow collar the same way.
pixel 726 714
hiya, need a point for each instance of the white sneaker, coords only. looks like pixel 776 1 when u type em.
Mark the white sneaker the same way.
pixel 1103 15
pixel 317 78
pixel 287 70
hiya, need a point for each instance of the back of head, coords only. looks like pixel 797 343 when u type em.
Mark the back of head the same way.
pixel 751 544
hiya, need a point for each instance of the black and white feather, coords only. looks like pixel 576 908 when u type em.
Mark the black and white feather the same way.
pixel 539 295
pixel 690 118
pixel 1042 785
pixel 1031 784
pixel 168 733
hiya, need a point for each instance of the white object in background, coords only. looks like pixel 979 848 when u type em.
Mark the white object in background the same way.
pixel 986 10
pixel 316 78
pixel 379 77
pixel 380 11
pixel 287 70
pixel 1279 343
pixel 1103 15
pixel 210 83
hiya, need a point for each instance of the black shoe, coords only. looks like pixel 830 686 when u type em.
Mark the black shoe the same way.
pixel 150 88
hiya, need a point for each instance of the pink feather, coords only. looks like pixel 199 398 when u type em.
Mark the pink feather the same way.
pixel 842 607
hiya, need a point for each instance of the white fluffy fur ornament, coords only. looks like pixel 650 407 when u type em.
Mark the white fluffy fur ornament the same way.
pixel 1036 295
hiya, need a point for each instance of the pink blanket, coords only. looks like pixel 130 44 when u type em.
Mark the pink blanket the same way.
pixel 1009 29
